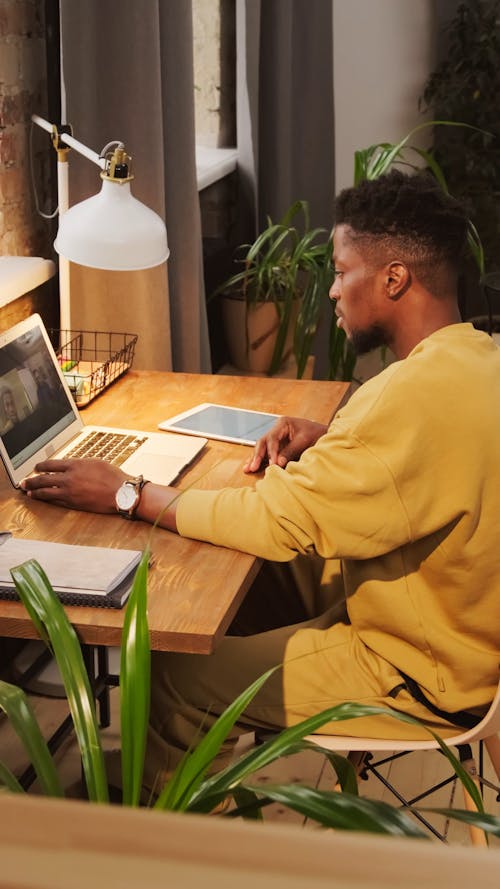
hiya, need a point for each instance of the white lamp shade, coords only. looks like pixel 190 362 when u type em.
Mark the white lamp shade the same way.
pixel 112 230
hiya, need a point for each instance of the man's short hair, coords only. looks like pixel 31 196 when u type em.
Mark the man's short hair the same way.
pixel 409 213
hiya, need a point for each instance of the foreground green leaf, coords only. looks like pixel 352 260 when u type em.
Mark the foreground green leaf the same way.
pixel 135 686
pixel 189 774
pixel 9 780
pixel 37 595
pixel 345 772
pixel 461 773
pixel 217 786
pixel 212 792
pixel 342 811
pixel 248 803
pixel 15 704
pixel 481 820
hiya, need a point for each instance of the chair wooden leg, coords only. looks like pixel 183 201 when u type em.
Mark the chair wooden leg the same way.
pixel 357 759
pixel 477 836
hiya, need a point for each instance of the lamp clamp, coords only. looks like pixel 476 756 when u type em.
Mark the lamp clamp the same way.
pixel 118 163
pixel 59 130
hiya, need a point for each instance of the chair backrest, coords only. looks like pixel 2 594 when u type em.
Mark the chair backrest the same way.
pixel 490 724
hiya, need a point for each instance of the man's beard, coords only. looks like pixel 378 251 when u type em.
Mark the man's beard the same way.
pixel 364 341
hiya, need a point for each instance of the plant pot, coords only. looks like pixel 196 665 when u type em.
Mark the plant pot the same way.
pixel 251 332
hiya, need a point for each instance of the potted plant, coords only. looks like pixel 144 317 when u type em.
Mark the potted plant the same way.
pixel 272 305
pixel 190 788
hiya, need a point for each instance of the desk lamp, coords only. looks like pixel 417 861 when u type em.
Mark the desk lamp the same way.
pixel 111 230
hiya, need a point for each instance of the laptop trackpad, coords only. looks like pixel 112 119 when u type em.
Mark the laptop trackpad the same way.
pixel 157 468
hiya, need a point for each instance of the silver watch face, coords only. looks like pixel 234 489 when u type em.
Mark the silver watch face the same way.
pixel 126 496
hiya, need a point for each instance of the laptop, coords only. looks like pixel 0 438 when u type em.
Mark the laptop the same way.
pixel 39 418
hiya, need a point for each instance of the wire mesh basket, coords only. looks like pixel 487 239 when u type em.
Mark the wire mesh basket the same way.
pixel 93 359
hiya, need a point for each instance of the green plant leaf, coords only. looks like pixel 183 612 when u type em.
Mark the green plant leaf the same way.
pixel 345 771
pixel 212 792
pixel 343 768
pixel 291 213
pixel 15 704
pixel 315 301
pixel 135 685
pixel 433 166
pixel 342 357
pixel 9 780
pixel 360 166
pixel 272 240
pixel 459 770
pixel 220 784
pixel 188 776
pixel 36 593
pixel 248 803
pixel 383 160
pixel 307 322
pixel 481 820
pixel 475 246
pixel 342 811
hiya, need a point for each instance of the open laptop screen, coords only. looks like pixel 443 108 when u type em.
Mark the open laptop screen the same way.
pixel 34 406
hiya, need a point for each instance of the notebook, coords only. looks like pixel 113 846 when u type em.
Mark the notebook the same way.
pixel 39 418
pixel 79 575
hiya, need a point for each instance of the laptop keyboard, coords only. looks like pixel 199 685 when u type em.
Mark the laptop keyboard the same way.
pixel 113 447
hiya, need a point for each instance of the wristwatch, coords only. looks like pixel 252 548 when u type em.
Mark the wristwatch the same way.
pixel 128 496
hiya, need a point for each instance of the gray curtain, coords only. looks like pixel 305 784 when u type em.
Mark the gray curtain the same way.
pixel 285 116
pixel 128 74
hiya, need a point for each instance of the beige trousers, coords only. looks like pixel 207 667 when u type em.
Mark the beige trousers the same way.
pixel 319 669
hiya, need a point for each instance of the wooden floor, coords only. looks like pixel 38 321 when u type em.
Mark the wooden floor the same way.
pixel 410 774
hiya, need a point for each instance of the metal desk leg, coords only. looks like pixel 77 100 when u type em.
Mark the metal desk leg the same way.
pixel 99 679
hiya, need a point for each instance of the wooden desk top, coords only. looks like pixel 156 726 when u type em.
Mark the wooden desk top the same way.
pixel 194 588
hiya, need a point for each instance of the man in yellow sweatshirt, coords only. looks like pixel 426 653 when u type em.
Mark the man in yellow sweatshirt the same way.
pixel 403 488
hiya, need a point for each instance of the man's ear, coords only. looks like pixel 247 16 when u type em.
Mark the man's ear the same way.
pixel 397 279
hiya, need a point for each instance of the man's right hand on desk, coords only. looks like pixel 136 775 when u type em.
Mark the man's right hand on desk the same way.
pixel 286 440
pixel 91 485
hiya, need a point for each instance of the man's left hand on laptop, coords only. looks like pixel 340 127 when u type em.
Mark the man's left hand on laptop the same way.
pixel 90 485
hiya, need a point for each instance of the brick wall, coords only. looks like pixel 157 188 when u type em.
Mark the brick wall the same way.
pixel 23 87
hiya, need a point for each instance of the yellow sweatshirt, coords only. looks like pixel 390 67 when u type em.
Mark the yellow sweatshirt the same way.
pixel 404 488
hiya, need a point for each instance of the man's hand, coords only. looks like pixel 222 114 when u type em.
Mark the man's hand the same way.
pixel 90 485
pixel 287 440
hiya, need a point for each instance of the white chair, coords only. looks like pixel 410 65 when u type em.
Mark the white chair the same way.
pixel 360 753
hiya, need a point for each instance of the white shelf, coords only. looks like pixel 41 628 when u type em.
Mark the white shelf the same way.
pixel 20 274
pixel 213 164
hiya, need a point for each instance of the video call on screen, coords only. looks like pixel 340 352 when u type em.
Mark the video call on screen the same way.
pixel 32 399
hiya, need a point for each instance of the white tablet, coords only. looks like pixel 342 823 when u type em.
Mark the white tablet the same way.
pixel 222 422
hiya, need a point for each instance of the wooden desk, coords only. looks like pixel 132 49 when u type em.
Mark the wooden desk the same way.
pixel 194 588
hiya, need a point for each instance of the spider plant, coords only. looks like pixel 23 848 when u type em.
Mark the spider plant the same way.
pixel 190 788
pixel 375 161
pixel 287 262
